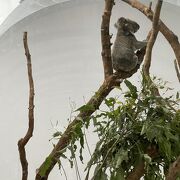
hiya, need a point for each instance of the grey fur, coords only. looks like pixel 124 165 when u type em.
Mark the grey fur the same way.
pixel 125 45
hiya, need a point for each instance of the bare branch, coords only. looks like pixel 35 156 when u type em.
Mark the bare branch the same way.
pixel 22 142
pixel 174 170
pixel 177 70
pixel 105 39
pixel 152 39
pixel 168 34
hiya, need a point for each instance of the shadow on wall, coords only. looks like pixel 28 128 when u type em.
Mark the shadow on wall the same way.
pixel 26 8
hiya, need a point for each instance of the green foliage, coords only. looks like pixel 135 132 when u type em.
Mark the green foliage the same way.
pixel 144 127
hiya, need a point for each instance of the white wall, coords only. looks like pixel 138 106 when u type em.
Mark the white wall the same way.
pixel 64 41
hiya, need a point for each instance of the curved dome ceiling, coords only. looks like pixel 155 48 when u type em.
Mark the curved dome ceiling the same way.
pixel 26 8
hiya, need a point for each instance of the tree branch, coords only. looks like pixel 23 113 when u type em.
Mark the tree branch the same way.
pixel 168 34
pixel 65 139
pixel 153 37
pixel 139 170
pixel 94 102
pixel 22 142
pixel 177 70
pixel 174 170
pixel 105 39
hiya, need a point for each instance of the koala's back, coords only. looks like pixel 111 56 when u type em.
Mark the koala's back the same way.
pixel 123 44
pixel 123 52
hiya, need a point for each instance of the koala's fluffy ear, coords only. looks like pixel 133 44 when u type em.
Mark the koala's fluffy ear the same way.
pixel 122 20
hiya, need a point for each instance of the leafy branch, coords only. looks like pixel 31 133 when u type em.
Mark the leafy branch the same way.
pixel 138 137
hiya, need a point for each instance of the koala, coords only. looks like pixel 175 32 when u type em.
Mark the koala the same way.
pixel 125 45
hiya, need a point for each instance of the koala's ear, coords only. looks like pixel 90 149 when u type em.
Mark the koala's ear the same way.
pixel 122 20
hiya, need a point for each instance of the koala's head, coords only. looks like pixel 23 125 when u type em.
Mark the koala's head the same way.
pixel 127 25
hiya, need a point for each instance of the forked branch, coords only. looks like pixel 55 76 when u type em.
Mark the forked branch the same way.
pixel 152 39
pixel 22 142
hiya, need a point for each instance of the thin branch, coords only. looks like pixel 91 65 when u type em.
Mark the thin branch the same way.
pixel 87 144
pixel 168 34
pixel 64 172
pixel 22 142
pixel 105 38
pixel 139 170
pixel 150 5
pixel 177 70
pixel 153 37
pixel 174 170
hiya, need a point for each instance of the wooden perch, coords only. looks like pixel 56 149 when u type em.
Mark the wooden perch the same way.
pixel 168 34
pixel 152 39
pixel 105 39
pixel 22 142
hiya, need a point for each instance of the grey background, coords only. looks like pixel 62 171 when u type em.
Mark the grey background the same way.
pixel 64 41
pixel 26 8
